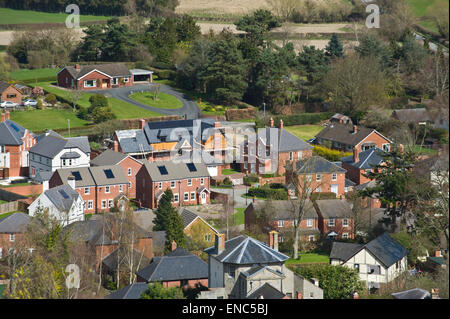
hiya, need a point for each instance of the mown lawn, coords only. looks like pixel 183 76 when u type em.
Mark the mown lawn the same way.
pixel 39 120
pixel 11 16
pixel 229 171
pixel 26 74
pixel 305 132
pixel 420 9
pixel 308 258
pixel 6 215
pixel 239 216
pixel 163 101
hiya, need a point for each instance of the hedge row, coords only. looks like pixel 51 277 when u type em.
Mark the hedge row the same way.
pixel 268 192
pixel 324 195
pixel 329 154
pixel 41 79
pixel 296 119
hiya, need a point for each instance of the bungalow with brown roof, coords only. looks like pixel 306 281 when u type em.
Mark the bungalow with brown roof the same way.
pixel 9 92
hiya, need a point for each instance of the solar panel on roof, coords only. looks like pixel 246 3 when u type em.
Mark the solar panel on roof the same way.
pixel 163 170
pixel 191 167
pixel 108 173
pixel 76 175
pixel 64 194
pixel 15 127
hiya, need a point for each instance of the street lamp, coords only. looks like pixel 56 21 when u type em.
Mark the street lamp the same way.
pixel 246 189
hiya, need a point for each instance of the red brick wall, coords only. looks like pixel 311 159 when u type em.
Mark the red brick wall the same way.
pixel 12 90
pixel 338 227
pixel 135 167
pixel 325 183
pixel 26 190
pixel 98 76
pixel 87 197
pixel 5 243
pixel 15 154
pixel 102 195
pixel 372 138
pixel 62 76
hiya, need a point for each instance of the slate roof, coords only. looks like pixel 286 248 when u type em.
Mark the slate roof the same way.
pixel 94 176
pixel 343 133
pixel 48 132
pixel 266 291
pixel 256 269
pixel 385 248
pixel 108 157
pixel 133 141
pixel 43 176
pixel 133 291
pixel 244 250
pixel 3 86
pixel 343 251
pixel 317 164
pixel 412 115
pixel 334 208
pixel 367 159
pixel 62 196
pixel 175 171
pixel 14 223
pixel 85 174
pixel 11 133
pixel 51 145
pixel 189 216
pixel 110 261
pixel 287 142
pixel 111 69
pixel 415 293
pixel 177 265
pixel 282 209
pixel 349 183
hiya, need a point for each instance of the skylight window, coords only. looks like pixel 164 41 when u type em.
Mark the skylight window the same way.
pixel 108 173
pixel 163 170
pixel 64 194
pixel 191 167
pixel 77 176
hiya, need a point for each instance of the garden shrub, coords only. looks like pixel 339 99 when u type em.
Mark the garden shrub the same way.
pixel 330 154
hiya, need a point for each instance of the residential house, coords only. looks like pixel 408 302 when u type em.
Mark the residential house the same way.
pixel 196 227
pixel 95 77
pixel 15 143
pixel 280 216
pixel 272 150
pixel 239 267
pixel 129 164
pixel 178 268
pixel 12 228
pixel 351 138
pixel 336 218
pixel 189 183
pixel 371 202
pixel 52 152
pixel 418 116
pixel 317 175
pixel 377 262
pixel 99 186
pixel 340 118
pixel 359 164
pixel 133 291
pixel 61 203
pixel 8 92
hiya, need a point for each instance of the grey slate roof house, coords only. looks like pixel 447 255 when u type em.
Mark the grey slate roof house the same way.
pixel 377 262
pixel 366 159
pixel 267 291
pixel 12 133
pixel 315 165
pixel 417 116
pixel 108 157
pixel 133 291
pixel 14 223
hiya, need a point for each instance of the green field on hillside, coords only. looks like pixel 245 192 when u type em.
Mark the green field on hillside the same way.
pixel 305 132
pixel 11 16
pixel 29 75
pixel 421 10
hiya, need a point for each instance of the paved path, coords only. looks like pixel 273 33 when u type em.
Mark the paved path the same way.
pixel 240 202
pixel 189 108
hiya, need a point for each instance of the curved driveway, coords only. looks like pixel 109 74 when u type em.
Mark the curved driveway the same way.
pixel 189 108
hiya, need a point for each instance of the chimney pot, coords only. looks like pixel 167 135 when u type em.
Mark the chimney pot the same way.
pixel 281 124
pixel 7 115
pixel 273 240
pixel 116 146
pixel 355 155
pixel 71 181
pixel 220 243
pixel 141 124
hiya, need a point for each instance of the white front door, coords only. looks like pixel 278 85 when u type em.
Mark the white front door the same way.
pixel 334 189
pixel 204 198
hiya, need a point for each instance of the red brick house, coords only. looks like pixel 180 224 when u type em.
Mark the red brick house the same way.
pixel 189 183
pixel 15 142
pixel 290 149
pixel 335 218
pixel 130 167
pixel 95 77
pixel 359 164
pixel 317 175
pixel 9 92
pixel 352 138
pixel 12 229
pixel 99 186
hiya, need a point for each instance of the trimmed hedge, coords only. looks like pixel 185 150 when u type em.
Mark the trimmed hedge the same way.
pixel 296 119
pixel 268 192
pixel 329 154
pixel 248 180
pixel 41 79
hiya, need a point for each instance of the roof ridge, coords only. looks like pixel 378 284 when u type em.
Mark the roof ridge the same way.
pixel 157 266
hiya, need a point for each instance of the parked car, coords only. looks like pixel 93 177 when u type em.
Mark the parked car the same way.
pixel 30 102
pixel 5 104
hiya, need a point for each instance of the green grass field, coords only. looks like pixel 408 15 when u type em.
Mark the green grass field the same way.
pixel 163 101
pixel 305 132
pixel 420 9
pixel 11 16
pixel 239 216
pixel 26 74
pixel 229 171
pixel 308 258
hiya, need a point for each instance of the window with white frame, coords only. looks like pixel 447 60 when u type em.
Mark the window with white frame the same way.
pixel 115 81
pixel 110 203
pixel 291 156
pixel 331 222
pixel 129 171
pixel 334 177
pixel 120 188
pixel 90 83
pixel 175 198
pixel 126 79
pixel 90 204
pixel 192 195
pixel 87 190
pixel 308 178
pixel 202 181
pixel 107 190
pixel 160 185
pixel 207 237
pixel 172 184
pixel 281 223
pixel 386 147
pixel 129 185
pixel 345 222
pixel 318 189
pixel 12 237
pixel 189 182
pixel 309 222
pixel 186 196
pixel 318 177
pixel 356 267
pixel 104 203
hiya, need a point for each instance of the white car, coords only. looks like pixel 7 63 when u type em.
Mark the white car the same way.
pixel 8 104
pixel 30 102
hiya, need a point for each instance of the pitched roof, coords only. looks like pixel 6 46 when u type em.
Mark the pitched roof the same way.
pixel 14 223
pixel 367 159
pixel 283 209
pixel 189 216
pixel 111 69
pixel 133 291
pixel 94 176
pixel 108 157
pixel 169 170
pixel 51 145
pixel 111 260
pixel 386 249
pixel 258 268
pixel 245 250
pixel 343 133
pixel 334 208
pixel 62 196
pixel 317 164
pixel 287 141
pixel 133 141
pixel 11 133
pixel 343 251
pixel 177 265
pixel 4 85
pixel 84 174
pixel 412 115
pixel 266 291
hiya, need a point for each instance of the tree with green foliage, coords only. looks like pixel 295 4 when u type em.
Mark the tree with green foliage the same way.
pixel 334 48
pixel 158 291
pixel 337 282
pixel 257 26
pixel 371 46
pixel 102 114
pixel 97 100
pixel 89 49
pixel 313 64
pixel 118 41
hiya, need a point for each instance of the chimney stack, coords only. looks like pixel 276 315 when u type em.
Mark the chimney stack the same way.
pixel 355 129
pixel 116 146
pixel 77 67
pixel 355 155
pixel 3 117
pixel 437 253
pixel 271 122
pixel 174 245
pixel 7 115
pixel 220 243
pixel 141 124
pixel 281 124
pixel 71 181
pixel 273 240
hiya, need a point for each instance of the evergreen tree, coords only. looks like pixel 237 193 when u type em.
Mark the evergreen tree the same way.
pixel 313 63
pixel 334 49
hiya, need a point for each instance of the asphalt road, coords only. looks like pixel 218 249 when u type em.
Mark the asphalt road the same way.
pixel 189 108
